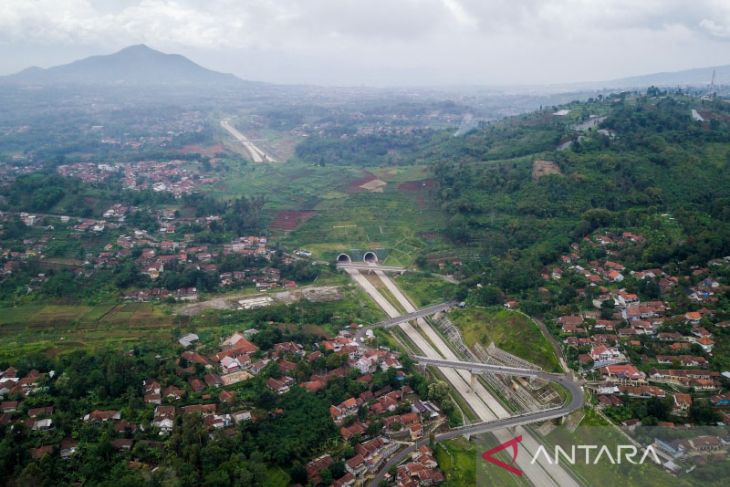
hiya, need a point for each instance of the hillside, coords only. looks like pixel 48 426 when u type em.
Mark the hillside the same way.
pixel 134 65
pixel 646 156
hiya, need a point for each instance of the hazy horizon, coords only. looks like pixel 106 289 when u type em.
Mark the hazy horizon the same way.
pixel 348 42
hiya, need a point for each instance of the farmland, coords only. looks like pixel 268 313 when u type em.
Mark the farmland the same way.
pixel 62 328
pixel 334 208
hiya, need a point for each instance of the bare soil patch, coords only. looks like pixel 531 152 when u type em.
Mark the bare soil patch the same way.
pixel 288 220
pixel 542 168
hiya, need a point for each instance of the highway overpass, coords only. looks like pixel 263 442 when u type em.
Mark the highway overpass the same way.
pixel 420 313
pixel 575 390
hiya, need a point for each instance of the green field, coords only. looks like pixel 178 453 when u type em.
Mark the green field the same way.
pixel 291 185
pixel 509 331
pixel 593 430
pixel 392 220
pixel 403 222
pixel 424 289
pixel 62 328
pixel 458 460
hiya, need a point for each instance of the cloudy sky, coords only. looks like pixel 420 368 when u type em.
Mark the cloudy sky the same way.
pixel 381 42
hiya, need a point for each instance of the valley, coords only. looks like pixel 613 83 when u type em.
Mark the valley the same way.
pixel 205 279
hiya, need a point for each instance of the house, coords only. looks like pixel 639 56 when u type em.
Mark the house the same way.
pixel 42 424
pixel 683 360
pixel 705 343
pixel 239 342
pixel 346 408
pixel 172 392
pixel 68 448
pixel 288 348
pixel 153 399
pixel 241 416
pixel 42 411
pixel 602 353
pixel 164 419
pixel 196 358
pixel 623 373
pixel 720 400
pixel 151 386
pixel 40 452
pixel 415 430
pixel 258 366
pixel 356 465
pixel 692 317
pixel 212 380
pixel 315 467
pixel 570 320
pixel 227 396
pixel 355 429
pixel 313 385
pixel 347 480
pixel 124 444
pixel 202 409
pixel 280 386
pixel 100 416
pixel 643 392
pixel 9 406
pixel 286 366
pixel 682 403
pixel 196 385
pixel 188 340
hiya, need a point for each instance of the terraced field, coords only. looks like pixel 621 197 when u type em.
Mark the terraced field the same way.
pixel 61 328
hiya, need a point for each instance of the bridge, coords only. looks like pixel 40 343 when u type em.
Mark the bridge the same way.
pixel 575 403
pixel 366 266
pixel 420 313
pixel 575 390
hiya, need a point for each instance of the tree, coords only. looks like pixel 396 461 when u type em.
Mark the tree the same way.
pixel 607 309
pixel 437 391
pixel 487 295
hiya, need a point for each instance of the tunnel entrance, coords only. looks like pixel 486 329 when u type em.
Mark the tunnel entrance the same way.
pixel 370 258
pixel 343 259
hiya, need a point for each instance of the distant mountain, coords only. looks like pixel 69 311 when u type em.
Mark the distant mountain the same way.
pixel 134 65
pixel 698 77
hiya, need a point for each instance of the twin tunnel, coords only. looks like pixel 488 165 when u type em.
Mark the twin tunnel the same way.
pixel 368 257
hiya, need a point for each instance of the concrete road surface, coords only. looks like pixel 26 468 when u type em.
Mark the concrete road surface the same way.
pixel 479 399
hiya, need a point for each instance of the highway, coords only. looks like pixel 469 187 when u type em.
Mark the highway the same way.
pixel 487 408
pixel 256 154
pixel 575 403
pixel 364 266
pixel 420 313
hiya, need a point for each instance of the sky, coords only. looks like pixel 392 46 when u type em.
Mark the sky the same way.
pixel 381 42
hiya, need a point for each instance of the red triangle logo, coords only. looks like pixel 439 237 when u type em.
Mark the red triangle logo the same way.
pixel 487 455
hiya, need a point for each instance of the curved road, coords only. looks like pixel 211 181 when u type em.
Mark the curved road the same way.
pixel 494 416
pixel 575 403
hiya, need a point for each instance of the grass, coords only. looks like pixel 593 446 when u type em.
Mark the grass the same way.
pixel 393 219
pixel 459 460
pixel 425 289
pixel 277 477
pixel 289 185
pixel 55 328
pixel 594 430
pixel 509 331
